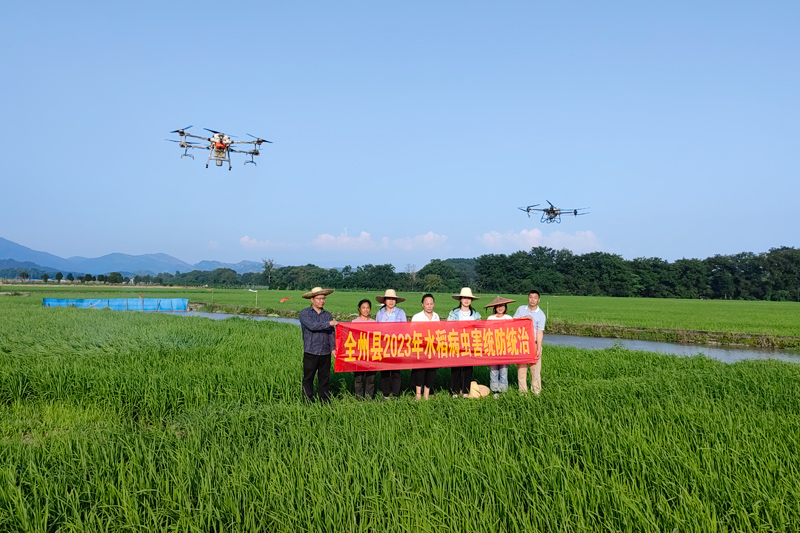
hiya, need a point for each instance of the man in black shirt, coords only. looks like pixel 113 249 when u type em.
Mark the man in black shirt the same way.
pixel 319 337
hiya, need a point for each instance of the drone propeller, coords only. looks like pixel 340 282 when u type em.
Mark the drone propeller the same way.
pixel 187 143
pixel 180 131
pixel 220 133
pixel 259 140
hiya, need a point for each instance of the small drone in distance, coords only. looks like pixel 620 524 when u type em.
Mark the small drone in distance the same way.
pixel 219 145
pixel 552 214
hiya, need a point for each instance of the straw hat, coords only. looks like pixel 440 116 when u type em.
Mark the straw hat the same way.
pixel 478 391
pixel 316 291
pixel 466 292
pixel 389 294
pixel 499 301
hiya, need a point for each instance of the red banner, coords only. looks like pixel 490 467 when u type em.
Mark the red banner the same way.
pixel 364 346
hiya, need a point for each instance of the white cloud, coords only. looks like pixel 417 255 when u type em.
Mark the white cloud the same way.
pixel 428 241
pixel 580 242
pixel 326 241
pixel 511 241
pixel 365 242
pixel 254 244
pixel 213 245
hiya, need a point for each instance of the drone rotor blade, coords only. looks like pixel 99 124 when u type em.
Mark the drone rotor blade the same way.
pixel 180 131
pixel 212 131
pixel 259 139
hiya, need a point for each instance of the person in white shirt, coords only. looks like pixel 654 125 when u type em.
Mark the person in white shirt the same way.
pixel 498 374
pixel 423 379
pixel 533 312
pixel 461 376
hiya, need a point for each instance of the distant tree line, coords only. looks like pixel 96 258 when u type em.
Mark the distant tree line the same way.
pixel 773 275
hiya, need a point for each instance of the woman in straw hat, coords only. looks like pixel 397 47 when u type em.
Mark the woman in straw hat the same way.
pixel 319 344
pixel 390 379
pixel 498 374
pixel 364 382
pixel 461 376
pixel 423 379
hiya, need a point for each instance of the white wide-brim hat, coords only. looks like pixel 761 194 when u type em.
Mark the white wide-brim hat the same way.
pixel 466 292
pixel 316 291
pixel 389 294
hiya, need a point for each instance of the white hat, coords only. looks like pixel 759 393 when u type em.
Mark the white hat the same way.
pixel 389 294
pixel 466 292
pixel 316 291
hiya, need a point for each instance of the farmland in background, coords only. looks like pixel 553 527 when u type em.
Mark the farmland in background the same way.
pixel 736 316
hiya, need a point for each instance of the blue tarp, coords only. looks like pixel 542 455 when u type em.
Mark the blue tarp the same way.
pixel 122 304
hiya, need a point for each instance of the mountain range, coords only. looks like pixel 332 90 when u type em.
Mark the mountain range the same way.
pixel 13 255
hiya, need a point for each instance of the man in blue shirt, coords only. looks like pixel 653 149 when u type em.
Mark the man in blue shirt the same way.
pixel 390 379
pixel 319 344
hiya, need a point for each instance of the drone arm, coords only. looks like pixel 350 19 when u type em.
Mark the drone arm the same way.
pixel 197 137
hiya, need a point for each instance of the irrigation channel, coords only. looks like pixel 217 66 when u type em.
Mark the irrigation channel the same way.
pixel 726 354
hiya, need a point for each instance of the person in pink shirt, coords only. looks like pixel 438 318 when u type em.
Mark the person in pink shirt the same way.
pixel 364 382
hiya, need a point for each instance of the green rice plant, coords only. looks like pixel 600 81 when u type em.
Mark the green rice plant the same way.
pixel 116 421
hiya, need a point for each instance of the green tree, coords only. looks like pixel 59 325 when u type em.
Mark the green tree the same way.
pixel 70 277
pixel 59 277
pixel 493 272
pixel 545 275
pixel 654 277
pixel 432 283
pixel 721 273
pixel 224 276
pixel 269 268
pixel 45 277
pixel 691 278
pixel 782 274
pixel 451 278
pixel 114 277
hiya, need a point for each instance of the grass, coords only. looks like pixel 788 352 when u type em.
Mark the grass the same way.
pixel 116 421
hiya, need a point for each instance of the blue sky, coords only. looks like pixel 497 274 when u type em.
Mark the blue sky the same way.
pixel 402 131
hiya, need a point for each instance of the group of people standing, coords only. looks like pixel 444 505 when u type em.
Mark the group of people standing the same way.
pixel 319 334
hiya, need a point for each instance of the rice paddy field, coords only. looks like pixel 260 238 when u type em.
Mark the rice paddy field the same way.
pixel 115 421
pixel 734 316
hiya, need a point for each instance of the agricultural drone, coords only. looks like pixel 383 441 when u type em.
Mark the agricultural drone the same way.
pixel 219 146
pixel 553 214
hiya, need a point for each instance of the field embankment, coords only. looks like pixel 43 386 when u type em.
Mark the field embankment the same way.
pixel 674 335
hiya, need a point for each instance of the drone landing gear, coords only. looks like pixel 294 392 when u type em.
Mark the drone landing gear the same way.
pixel 187 155
pixel 250 161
